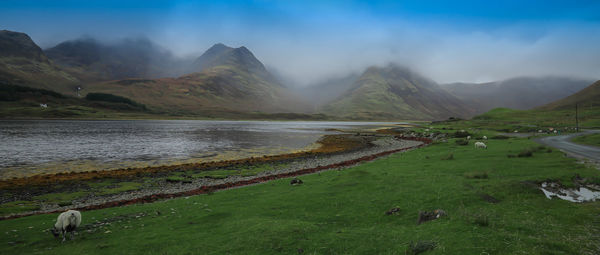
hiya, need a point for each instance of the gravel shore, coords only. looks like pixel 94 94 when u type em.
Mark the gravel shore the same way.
pixel 382 143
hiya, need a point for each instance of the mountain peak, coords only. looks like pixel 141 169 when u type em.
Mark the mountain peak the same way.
pixel 15 44
pixel 240 58
pixel 217 48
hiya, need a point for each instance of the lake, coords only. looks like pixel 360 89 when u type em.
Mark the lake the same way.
pixel 47 146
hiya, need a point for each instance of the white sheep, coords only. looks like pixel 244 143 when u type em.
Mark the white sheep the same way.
pixel 480 145
pixel 67 222
pixel 484 137
pixel 469 137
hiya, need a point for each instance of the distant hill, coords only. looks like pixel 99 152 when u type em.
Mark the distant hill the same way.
pixel 395 92
pixel 517 93
pixel 230 79
pixel 22 62
pixel 92 60
pixel 587 97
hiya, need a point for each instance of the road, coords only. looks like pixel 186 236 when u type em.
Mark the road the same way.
pixel 563 142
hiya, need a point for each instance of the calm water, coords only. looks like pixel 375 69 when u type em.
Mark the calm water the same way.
pixel 36 146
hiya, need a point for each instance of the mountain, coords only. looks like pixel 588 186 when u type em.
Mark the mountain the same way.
pixel 395 92
pixel 92 60
pixel 240 58
pixel 229 80
pixel 22 62
pixel 517 93
pixel 587 97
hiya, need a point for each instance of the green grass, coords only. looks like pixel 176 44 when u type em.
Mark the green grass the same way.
pixel 593 139
pixel 343 212
pixel 18 206
pixel 64 198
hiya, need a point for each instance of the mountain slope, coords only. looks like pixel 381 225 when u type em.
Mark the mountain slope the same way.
pixel 234 81
pixel 131 58
pixel 587 97
pixel 517 93
pixel 395 92
pixel 23 63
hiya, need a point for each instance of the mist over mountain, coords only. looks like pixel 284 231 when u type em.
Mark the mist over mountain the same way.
pixel 516 93
pixel 225 79
pixel 326 91
pixel 232 79
pixel 128 58
pixel 395 92
pixel 589 97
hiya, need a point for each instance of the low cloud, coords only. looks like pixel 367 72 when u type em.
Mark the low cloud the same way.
pixel 307 45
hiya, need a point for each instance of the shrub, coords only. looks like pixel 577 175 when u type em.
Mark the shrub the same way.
pixel 525 153
pixel 461 134
pixel 476 175
pixel 14 92
pixel 448 157
pixel 112 98
pixel 462 142
pixel 420 247
pixel 481 220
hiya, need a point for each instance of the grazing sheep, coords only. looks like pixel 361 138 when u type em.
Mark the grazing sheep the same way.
pixel 484 137
pixel 469 137
pixel 67 222
pixel 480 145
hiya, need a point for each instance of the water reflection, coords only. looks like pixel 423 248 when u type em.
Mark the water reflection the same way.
pixel 33 146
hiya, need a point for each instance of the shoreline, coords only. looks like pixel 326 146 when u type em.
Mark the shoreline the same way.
pixel 300 165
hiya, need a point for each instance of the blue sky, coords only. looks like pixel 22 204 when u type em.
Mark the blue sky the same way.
pixel 307 41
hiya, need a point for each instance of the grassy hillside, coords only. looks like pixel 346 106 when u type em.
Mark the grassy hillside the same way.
pixel 492 202
pixel 508 120
pixel 396 93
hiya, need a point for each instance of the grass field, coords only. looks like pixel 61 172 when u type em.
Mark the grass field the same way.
pixel 343 211
pixel 593 139
pixel 508 120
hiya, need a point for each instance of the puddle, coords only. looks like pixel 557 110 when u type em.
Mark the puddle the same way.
pixel 582 194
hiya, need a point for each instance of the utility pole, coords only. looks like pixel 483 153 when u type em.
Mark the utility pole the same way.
pixel 576 119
